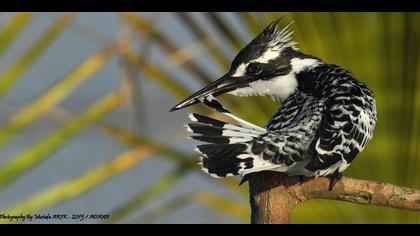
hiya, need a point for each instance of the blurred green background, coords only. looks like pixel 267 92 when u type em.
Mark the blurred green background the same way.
pixel 85 128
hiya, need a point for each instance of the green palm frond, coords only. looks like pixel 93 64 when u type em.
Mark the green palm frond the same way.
pixel 42 149
pixel 157 188
pixel 69 189
pixel 13 28
pixel 36 109
pixel 9 77
pixel 145 28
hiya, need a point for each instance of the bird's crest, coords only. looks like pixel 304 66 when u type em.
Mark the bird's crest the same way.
pixel 268 44
pixel 274 36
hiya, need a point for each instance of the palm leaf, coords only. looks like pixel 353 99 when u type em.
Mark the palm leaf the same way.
pixel 145 28
pixel 216 53
pixel 164 209
pixel 153 72
pixel 152 192
pixel 252 22
pixel 69 189
pixel 36 109
pixel 225 205
pixel 221 25
pixel 9 77
pixel 129 138
pixel 39 151
pixel 186 160
pixel 13 28
pixel 211 200
pixel 168 152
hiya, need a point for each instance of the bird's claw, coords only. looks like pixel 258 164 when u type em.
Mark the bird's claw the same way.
pixel 334 178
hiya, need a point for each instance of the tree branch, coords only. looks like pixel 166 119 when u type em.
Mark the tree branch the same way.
pixel 274 195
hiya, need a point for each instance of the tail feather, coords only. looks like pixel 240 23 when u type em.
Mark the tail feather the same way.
pixel 212 139
pixel 212 102
pixel 228 149
pixel 205 129
pixel 222 139
pixel 200 120
pixel 222 149
pixel 227 130
pixel 245 148
pixel 206 120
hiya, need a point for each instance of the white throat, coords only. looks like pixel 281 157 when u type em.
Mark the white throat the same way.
pixel 281 86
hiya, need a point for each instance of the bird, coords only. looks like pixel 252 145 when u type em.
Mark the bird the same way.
pixel 325 119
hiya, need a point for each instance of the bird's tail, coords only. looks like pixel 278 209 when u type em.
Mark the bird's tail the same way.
pixel 227 149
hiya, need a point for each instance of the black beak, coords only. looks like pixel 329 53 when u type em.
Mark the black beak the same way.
pixel 220 86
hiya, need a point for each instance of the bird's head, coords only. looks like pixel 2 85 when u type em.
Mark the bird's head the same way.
pixel 265 67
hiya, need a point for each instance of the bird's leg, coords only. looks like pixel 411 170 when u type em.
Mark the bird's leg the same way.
pixel 334 178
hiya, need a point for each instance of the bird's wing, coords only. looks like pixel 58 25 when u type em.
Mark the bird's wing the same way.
pixel 233 150
pixel 288 114
pixel 346 127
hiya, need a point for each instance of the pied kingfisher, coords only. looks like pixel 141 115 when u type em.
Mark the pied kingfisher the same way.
pixel 327 117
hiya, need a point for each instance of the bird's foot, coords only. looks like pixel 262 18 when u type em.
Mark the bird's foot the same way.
pixel 334 178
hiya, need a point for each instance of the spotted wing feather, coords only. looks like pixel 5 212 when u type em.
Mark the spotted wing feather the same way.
pixel 347 123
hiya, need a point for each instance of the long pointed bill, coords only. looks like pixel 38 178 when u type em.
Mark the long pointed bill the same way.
pixel 223 85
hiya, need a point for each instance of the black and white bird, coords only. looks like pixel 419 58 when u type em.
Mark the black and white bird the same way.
pixel 327 117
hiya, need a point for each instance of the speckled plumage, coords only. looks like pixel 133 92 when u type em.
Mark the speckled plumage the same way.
pixel 327 117
pixel 315 133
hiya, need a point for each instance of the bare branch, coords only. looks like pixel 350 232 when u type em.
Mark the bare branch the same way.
pixel 274 195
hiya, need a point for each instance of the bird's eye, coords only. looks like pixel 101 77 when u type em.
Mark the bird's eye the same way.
pixel 255 68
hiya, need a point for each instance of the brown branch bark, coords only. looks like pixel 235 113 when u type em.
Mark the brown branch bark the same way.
pixel 273 195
